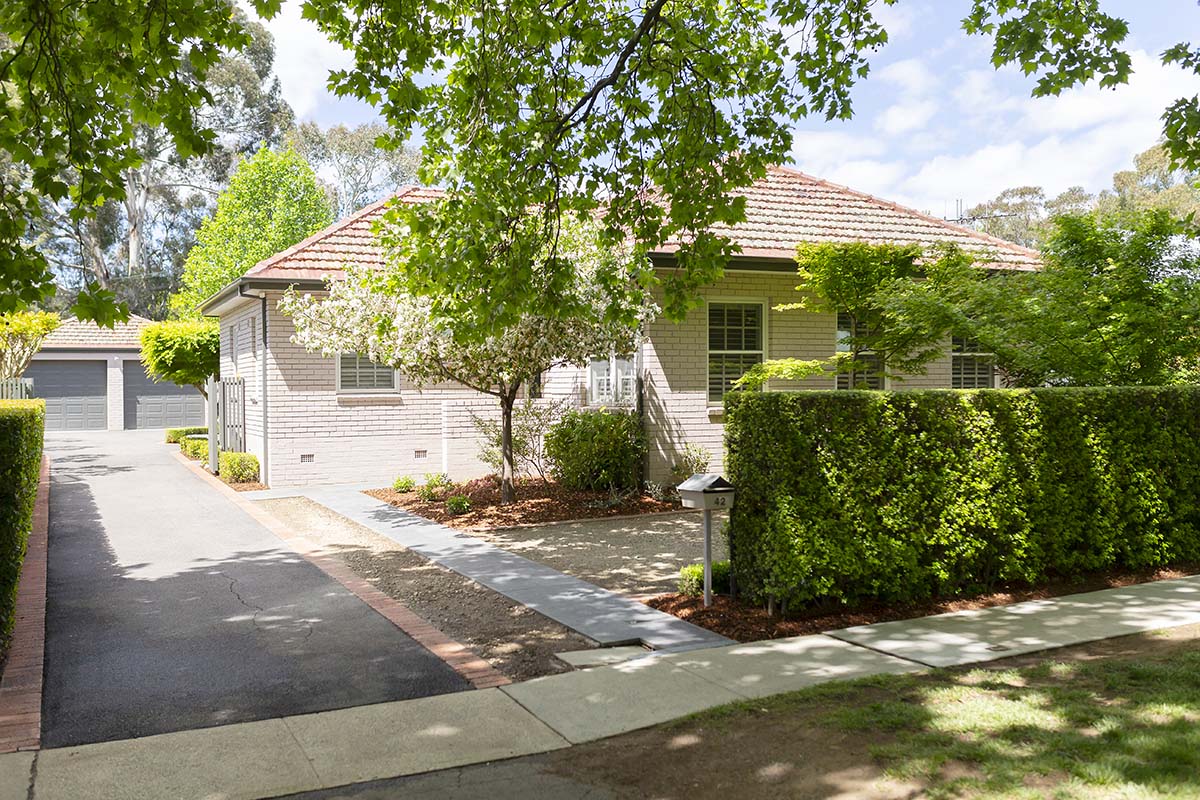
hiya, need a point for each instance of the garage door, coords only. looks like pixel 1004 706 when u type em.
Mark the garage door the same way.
pixel 149 404
pixel 76 393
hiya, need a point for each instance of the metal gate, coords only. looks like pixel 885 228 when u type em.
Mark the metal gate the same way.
pixel 231 415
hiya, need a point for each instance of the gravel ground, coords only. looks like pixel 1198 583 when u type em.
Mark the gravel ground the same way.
pixel 515 639
pixel 636 556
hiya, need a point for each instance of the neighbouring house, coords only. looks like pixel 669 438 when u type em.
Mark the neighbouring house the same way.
pixel 92 378
pixel 312 419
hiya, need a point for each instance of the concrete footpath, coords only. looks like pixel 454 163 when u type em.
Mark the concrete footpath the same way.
pixel 334 748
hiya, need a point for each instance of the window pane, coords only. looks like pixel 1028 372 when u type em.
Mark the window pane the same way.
pixel 724 369
pixel 359 372
pixel 870 376
pixel 972 372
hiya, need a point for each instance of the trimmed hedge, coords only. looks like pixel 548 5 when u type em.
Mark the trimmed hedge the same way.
pixel 175 434
pixel 597 450
pixel 194 447
pixel 900 496
pixel 21 427
pixel 691 579
pixel 236 467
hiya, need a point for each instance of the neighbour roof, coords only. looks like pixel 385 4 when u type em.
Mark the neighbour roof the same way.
pixel 784 209
pixel 74 334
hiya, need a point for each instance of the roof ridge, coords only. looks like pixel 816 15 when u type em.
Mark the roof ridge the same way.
pixel 1013 246
pixel 336 227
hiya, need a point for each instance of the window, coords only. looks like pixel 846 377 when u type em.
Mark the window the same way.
pixel 611 381
pixel 535 389
pixel 735 344
pixel 970 366
pixel 357 373
pixel 870 373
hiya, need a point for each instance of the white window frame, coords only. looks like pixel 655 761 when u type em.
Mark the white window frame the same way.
pixel 764 355
pixel 625 393
pixel 885 383
pixel 955 354
pixel 337 373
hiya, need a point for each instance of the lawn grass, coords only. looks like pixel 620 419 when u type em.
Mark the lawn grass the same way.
pixel 1104 728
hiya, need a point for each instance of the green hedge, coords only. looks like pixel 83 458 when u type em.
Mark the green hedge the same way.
pixel 899 496
pixel 194 447
pixel 691 579
pixel 597 450
pixel 236 467
pixel 175 434
pixel 21 426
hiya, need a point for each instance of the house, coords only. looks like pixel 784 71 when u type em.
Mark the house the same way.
pixel 312 419
pixel 92 378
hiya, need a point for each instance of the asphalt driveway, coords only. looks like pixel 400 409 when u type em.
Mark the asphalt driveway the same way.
pixel 169 608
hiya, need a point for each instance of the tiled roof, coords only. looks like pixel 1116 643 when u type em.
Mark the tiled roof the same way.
pixel 789 207
pixel 348 241
pixel 72 334
pixel 782 210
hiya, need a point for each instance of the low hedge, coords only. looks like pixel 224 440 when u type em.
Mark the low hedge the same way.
pixel 237 467
pixel 194 447
pixel 901 496
pixel 597 450
pixel 691 579
pixel 175 434
pixel 21 428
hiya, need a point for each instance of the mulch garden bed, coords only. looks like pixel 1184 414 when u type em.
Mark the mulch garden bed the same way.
pixel 537 501
pixel 246 487
pixel 746 623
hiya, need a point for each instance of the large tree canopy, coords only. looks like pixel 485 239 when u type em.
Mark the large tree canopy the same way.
pixel 79 81
pixel 273 201
pixel 185 351
pixel 655 112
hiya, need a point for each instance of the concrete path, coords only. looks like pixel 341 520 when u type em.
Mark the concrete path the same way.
pixel 318 752
pixel 968 637
pixel 599 614
pixel 168 608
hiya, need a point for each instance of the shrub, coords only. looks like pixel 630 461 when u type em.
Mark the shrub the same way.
pixel 458 504
pixel 175 434
pixel 404 483
pixel 693 460
pixel 237 467
pixel 900 496
pixel 530 422
pixel 691 579
pixel 194 447
pixel 435 486
pixel 597 450
pixel 21 426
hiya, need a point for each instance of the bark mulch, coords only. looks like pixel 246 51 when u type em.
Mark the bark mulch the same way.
pixel 246 487
pixel 747 623
pixel 537 501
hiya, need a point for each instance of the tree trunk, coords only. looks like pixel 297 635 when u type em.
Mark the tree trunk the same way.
pixel 508 470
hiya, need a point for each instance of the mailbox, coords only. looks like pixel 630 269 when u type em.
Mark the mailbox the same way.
pixel 710 492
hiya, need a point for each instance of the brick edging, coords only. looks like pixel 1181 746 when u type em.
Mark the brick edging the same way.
pixel 477 671
pixel 21 684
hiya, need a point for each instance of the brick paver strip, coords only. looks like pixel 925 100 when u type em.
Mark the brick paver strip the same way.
pixel 479 673
pixel 21 684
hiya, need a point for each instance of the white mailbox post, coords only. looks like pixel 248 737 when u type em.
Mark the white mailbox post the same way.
pixel 709 492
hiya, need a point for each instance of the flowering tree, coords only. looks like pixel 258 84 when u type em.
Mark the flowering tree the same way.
pixel 21 336
pixel 602 307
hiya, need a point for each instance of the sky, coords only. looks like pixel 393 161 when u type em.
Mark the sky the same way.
pixel 934 124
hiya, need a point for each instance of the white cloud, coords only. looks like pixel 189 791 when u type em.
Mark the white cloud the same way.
pixel 906 116
pixel 819 153
pixel 911 75
pixel 899 20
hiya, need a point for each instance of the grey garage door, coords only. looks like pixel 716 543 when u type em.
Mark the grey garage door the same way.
pixel 149 404
pixel 76 393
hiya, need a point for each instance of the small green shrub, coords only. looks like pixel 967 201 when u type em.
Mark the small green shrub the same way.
pixel 691 579
pixel 175 434
pixel 659 491
pixel 237 467
pixel 435 487
pixel 597 450
pixel 693 460
pixel 405 483
pixel 903 496
pixel 21 427
pixel 194 447
pixel 458 504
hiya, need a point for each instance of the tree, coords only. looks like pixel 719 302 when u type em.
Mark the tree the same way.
pixel 373 315
pixel 80 79
pixel 136 246
pixel 186 352
pixel 652 115
pixel 361 171
pixel 894 304
pixel 273 201
pixel 21 336
pixel 1116 304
